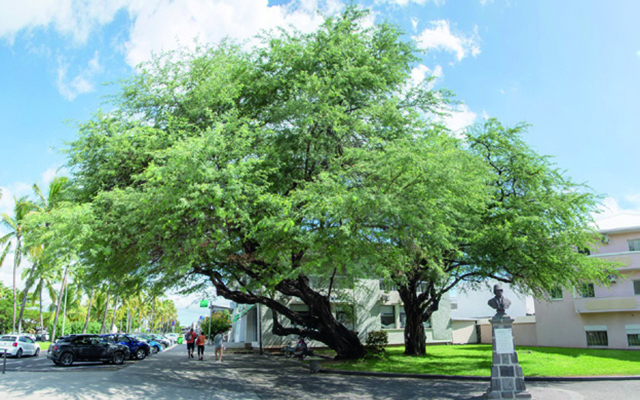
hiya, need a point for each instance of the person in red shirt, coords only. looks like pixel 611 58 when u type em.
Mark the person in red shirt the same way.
pixel 191 337
pixel 200 341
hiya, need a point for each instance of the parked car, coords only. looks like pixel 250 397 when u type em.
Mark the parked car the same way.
pixel 138 348
pixel 161 339
pixel 155 346
pixel 73 348
pixel 173 337
pixel 19 345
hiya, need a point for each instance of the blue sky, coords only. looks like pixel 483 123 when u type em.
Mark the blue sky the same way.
pixel 569 68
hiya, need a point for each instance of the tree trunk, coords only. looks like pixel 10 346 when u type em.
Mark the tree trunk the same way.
pixel 41 316
pixel 55 319
pixel 113 317
pixel 153 309
pixel 321 325
pixel 16 261
pixel 104 316
pixel 418 309
pixel 86 321
pixel 27 286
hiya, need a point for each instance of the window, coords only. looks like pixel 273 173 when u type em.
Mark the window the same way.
pixel 597 338
pixel 633 339
pixel 555 293
pixel 633 335
pixel 636 287
pixel 634 244
pixel 387 317
pixel 597 335
pixel 403 319
pixel 345 315
pixel 586 290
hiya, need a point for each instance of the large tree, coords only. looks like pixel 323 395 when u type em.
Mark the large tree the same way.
pixel 488 207
pixel 203 169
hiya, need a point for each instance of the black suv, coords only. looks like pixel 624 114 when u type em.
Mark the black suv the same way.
pixel 86 348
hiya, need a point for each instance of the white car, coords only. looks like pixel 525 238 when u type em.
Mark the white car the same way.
pixel 18 346
pixel 172 336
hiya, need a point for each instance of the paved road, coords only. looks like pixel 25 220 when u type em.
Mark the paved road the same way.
pixel 42 364
pixel 170 375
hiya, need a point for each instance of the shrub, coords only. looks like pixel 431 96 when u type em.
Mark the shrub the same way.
pixel 377 340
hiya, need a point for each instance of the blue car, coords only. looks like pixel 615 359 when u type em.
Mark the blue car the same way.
pixel 154 346
pixel 138 348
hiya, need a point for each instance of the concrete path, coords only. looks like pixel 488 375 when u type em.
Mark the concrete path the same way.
pixel 170 375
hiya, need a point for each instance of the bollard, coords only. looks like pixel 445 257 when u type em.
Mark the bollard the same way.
pixel 4 365
pixel 314 366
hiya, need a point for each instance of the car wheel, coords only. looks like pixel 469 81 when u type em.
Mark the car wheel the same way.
pixel 154 350
pixel 37 352
pixel 19 353
pixel 141 354
pixel 66 359
pixel 288 354
pixel 117 358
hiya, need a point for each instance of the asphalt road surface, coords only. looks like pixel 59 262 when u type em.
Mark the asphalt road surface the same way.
pixel 171 376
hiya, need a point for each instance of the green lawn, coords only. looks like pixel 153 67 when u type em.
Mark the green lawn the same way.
pixel 475 360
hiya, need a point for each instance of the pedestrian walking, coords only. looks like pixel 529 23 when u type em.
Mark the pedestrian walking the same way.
pixel 200 341
pixel 218 345
pixel 190 337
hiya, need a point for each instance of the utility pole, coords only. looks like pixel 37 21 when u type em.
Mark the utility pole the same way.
pixel 260 327
pixel 210 322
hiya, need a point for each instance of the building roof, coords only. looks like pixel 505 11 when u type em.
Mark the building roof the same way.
pixel 626 222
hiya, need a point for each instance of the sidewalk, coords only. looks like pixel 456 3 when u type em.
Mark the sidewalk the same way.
pixel 171 376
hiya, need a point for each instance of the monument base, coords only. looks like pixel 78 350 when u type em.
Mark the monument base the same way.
pixel 507 380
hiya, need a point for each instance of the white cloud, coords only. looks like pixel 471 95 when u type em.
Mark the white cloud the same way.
pixel 48 175
pixel 460 117
pixel 414 23
pixel 403 3
pixel 15 190
pixel 156 25
pixel 74 18
pixel 485 2
pixel 83 82
pixel 440 37
pixel 165 25
pixel 422 72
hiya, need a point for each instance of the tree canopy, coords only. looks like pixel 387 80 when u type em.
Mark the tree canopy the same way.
pixel 314 156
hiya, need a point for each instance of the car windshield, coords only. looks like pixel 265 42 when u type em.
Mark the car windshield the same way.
pixel 8 339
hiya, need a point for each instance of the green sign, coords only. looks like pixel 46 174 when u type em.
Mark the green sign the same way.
pixel 204 303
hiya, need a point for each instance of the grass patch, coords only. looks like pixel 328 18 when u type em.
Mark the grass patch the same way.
pixel 475 360
pixel 44 346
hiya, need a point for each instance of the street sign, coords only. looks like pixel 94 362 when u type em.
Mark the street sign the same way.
pixel 204 303
pixel 173 323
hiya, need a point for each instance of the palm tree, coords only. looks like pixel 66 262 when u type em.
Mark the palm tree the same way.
pixel 88 316
pixel 45 278
pixel 16 234
pixel 43 205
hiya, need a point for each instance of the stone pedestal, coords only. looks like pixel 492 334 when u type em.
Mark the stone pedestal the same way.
pixel 507 380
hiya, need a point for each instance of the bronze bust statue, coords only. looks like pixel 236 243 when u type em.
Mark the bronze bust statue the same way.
pixel 499 302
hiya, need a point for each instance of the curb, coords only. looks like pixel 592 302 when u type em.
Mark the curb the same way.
pixel 479 378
